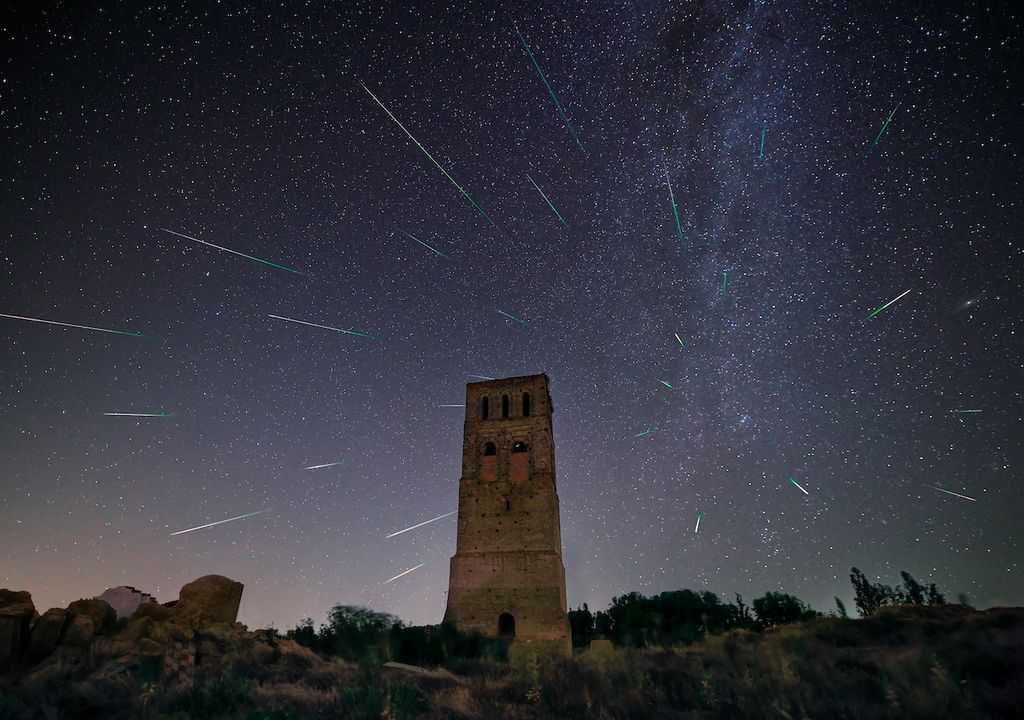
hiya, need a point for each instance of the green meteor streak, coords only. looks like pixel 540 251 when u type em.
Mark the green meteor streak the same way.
pixel 675 211
pixel 424 244
pixel 681 343
pixel 763 131
pixel 235 252
pixel 548 86
pixel 548 202
pixel 666 384
pixel 697 526
pixel 427 153
pixel 885 306
pixel 798 486
pixel 70 325
pixel 723 281
pixel 513 317
pixel 645 433
pixel 884 126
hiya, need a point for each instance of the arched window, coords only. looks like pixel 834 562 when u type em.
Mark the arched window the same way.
pixel 519 465
pixel 519 446
pixel 506 626
pixel 526 404
pixel 504 406
pixel 485 408
pixel 489 464
pixel 490 449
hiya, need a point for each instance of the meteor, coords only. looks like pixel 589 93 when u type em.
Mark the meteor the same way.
pixel 324 327
pixel 548 86
pixel 513 317
pixel 427 153
pixel 481 377
pixel 884 126
pixel 950 492
pixel 666 384
pixel 763 131
pixel 451 406
pixel 798 485
pixel 234 252
pixel 723 281
pixel 675 211
pixel 426 522
pixel 120 414
pixel 548 202
pixel 424 244
pixel 80 327
pixel 697 526
pixel 885 306
pixel 965 411
pixel 404 573
pixel 646 432
pixel 202 527
pixel 681 343
pixel 317 467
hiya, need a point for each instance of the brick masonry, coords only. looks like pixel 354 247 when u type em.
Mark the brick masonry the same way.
pixel 508 558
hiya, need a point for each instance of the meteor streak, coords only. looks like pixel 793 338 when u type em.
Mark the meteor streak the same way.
pixel 798 485
pixel 202 527
pixel 317 467
pixel 451 406
pixel 646 432
pixel 404 573
pixel 965 411
pixel 950 492
pixel 548 86
pixel 666 384
pixel 427 153
pixel 697 526
pixel 885 306
pixel 723 281
pixel 884 126
pixel 513 317
pixel 120 414
pixel 426 522
pixel 324 327
pixel 80 327
pixel 675 210
pixel 234 252
pixel 482 377
pixel 681 343
pixel 548 202
pixel 763 131
pixel 424 244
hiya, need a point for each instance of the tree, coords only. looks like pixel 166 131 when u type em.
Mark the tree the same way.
pixel 868 596
pixel 776 608
pixel 581 623
pixel 841 608
pixel 914 591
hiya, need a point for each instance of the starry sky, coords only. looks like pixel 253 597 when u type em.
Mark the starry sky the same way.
pixel 798 216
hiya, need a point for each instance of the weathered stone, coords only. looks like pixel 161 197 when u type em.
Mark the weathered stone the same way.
pixel 80 632
pixel 506 576
pixel 101 614
pixel 158 613
pixel 136 629
pixel 16 613
pixel 125 600
pixel 213 597
pixel 151 649
pixel 46 633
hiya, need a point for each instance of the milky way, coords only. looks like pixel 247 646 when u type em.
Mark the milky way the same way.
pixel 695 379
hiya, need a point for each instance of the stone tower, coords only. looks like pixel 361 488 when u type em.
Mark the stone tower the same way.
pixel 507 577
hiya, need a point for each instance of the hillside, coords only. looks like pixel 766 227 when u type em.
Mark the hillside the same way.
pixel 907 661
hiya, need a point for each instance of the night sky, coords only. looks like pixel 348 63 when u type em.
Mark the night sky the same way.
pixel 799 216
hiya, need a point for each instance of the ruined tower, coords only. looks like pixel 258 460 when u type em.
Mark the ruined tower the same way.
pixel 507 577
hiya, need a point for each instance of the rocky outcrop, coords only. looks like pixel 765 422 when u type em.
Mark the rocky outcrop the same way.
pixel 47 632
pixel 214 598
pixel 125 600
pixel 88 619
pixel 16 614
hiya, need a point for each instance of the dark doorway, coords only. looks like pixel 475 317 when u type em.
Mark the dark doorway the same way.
pixel 504 406
pixel 506 626
pixel 526 404
pixel 485 409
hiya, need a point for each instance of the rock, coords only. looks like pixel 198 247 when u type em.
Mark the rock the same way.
pixel 16 613
pixel 213 597
pixel 80 632
pixel 46 633
pixel 136 629
pixel 101 614
pixel 151 649
pixel 125 600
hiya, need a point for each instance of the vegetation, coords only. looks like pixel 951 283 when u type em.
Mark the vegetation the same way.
pixel 679 654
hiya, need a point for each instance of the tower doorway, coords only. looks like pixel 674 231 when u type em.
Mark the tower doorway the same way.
pixel 506 626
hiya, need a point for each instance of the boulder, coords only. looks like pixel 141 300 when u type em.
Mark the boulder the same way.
pixel 213 597
pixel 101 614
pixel 80 632
pixel 16 614
pixel 47 633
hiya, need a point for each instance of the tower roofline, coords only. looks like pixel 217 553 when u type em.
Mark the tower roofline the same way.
pixel 501 381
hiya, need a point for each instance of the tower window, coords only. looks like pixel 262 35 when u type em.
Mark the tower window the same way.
pixel 485 408
pixel 519 447
pixel 526 404
pixel 504 406
pixel 490 449
pixel 506 625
